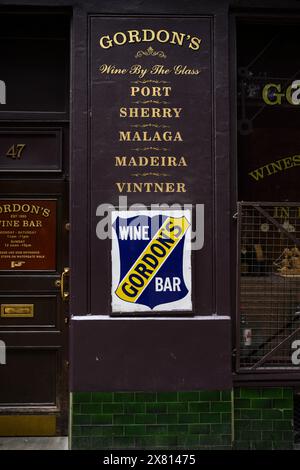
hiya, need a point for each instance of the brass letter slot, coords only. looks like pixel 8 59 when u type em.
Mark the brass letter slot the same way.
pixel 17 310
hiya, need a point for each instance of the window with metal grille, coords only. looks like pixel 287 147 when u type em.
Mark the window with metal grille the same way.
pixel 269 285
pixel 268 169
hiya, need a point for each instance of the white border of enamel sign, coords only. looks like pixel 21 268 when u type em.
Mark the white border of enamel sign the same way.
pixel 162 235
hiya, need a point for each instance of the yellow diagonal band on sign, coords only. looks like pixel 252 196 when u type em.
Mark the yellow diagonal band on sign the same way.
pixel 152 258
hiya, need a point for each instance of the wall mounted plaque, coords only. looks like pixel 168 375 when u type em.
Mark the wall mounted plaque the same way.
pixel 151 108
pixel 27 234
pixel 151 137
pixel 151 261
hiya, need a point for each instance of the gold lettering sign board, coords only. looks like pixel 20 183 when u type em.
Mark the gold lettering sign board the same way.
pixel 27 234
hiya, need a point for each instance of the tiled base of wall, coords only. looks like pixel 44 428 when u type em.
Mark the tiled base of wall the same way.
pixel 263 419
pixel 141 420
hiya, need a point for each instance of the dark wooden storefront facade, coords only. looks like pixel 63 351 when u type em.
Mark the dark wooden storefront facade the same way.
pixel 167 103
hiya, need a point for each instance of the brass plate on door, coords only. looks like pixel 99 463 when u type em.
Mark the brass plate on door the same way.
pixel 27 425
pixel 17 310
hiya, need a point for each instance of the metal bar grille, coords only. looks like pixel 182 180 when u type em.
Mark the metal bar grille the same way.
pixel 268 285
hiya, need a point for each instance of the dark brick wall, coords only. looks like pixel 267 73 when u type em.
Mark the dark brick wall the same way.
pixel 185 420
pixel 263 418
